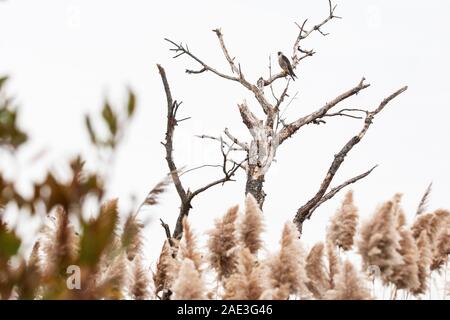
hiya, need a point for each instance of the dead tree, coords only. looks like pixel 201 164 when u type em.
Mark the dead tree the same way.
pixel 272 131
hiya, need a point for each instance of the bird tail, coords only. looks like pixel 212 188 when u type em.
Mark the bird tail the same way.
pixel 293 76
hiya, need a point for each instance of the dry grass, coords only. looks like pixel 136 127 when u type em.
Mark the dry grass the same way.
pixel 343 225
pixel 113 264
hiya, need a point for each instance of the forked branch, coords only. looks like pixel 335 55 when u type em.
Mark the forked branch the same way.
pixel 321 196
pixel 291 128
pixel 180 50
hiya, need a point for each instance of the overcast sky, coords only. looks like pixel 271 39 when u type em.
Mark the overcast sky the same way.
pixel 65 57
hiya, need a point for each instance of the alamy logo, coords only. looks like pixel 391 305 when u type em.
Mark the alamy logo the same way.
pixel 74 279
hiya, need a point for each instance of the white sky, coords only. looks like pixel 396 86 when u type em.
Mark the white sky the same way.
pixel 65 57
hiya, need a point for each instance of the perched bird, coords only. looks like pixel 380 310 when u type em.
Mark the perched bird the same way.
pixel 285 64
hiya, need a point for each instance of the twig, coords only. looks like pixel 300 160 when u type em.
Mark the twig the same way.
pixel 166 229
pixel 243 145
pixel 201 167
pixel 180 50
pixel 230 60
pixel 219 139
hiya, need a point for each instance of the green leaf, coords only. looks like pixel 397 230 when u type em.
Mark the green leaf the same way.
pixel 131 103
pixel 9 242
pixel 110 118
pixel 99 233
pixel 90 129
pixel 2 81
pixel 10 134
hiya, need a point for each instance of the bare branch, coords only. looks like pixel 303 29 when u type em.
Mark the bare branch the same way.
pixel 196 71
pixel 168 145
pixel 249 119
pixel 243 145
pixel 303 34
pixel 306 210
pixel 201 167
pixel 291 128
pixel 282 96
pixel 270 76
pixel 335 190
pixel 179 49
pixel 166 229
pixel 342 113
pixel 241 164
pixel 230 60
pixel 185 196
pixel 318 27
pixel 228 173
pixel 219 139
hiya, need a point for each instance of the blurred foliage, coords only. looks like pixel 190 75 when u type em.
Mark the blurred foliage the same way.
pixel 96 247
pixel 115 122
pixel 10 134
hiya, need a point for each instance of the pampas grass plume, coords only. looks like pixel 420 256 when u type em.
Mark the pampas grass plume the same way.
pixel 343 224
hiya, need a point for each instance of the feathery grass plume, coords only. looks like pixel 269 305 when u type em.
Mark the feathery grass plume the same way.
pixel 251 225
pixel 396 199
pixel 406 275
pixel 166 269
pixel 379 240
pixel 101 254
pixel 189 284
pixel 34 261
pixel 441 247
pixel 30 281
pixel 343 224
pixel 112 250
pixel 281 293
pixel 9 246
pixel 153 196
pixel 111 284
pixel 222 244
pixel 427 223
pixel 425 259
pixel 424 201
pixel 435 226
pixel 287 268
pixel 249 282
pixel 188 246
pixel 132 239
pixel 401 219
pixel 59 243
pixel 431 223
pixel 316 271
pixel 422 223
pixel 100 234
pixel 349 285
pixel 139 289
pixel 333 263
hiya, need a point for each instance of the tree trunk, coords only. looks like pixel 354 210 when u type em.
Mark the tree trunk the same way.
pixel 254 185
